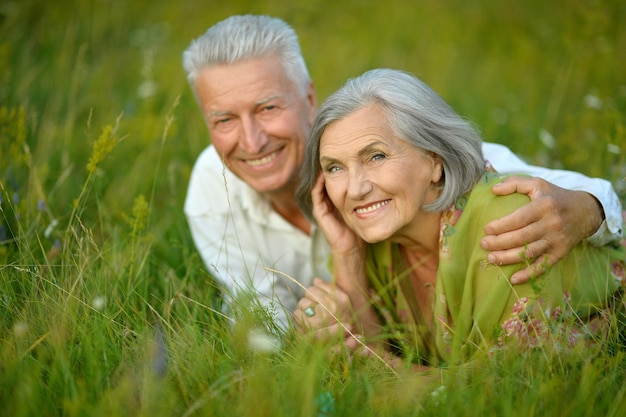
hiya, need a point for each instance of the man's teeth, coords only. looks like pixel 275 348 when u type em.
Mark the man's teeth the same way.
pixel 371 208
pixel 264 160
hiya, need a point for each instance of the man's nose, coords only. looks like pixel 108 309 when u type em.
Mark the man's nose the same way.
pixel 253 137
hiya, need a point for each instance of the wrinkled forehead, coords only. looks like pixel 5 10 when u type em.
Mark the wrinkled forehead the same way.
pixel 369 123
pixel 255 79
pixel 268 68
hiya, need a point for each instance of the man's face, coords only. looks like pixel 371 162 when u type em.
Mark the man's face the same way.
pixel 258 120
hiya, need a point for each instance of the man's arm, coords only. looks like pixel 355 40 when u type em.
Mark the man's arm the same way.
pixel 558 217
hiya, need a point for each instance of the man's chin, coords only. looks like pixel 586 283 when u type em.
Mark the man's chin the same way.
pixel 267 186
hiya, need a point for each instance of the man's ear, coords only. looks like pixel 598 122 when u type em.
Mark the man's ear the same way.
pixel 311 97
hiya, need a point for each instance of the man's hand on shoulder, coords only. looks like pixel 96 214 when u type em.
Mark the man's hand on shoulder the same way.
pixel 544 230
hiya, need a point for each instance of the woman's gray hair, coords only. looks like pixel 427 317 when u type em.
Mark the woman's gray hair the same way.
pixel 244 37
pixel 416 115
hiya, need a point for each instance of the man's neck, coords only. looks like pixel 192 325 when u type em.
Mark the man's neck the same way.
pixel 290 211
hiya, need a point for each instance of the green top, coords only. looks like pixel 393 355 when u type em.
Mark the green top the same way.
pixel 476 308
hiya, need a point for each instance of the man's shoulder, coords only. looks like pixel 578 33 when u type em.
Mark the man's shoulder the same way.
pixel 212 185
pixel 208 160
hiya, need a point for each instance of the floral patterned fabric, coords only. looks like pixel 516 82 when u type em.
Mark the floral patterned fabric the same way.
pixel 475 306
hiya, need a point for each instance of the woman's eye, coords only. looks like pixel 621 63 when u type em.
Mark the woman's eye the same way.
pixel 332 168
pixel 378 157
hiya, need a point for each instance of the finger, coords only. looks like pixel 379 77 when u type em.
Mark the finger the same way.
pixel 523 185
pixel 328 287
pixel 540 266
pixel 326 292
pixel 354 342
pixel 300 322
pixel 307 300
pixel 313 316
pixel 330 332
pixel 318 295
pixel 507 249
pixel 521 253
pixel 318 186
pixel 319 196
pixel 311 324
pixel 317 309
pixel 506 257
pixel 520 219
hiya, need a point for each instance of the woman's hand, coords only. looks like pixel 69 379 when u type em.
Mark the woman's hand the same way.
pixel 348 252
pixel 340 237
pixel 324 310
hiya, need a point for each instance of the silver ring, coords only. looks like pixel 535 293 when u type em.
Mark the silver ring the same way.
pixel 309 311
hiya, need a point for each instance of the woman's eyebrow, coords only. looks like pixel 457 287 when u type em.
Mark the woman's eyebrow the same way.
pixel 368 148
pixel 363 151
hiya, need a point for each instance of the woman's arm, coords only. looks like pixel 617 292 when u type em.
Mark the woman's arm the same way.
pixel 349 292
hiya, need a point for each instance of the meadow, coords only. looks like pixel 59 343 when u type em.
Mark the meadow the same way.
pixel 105 306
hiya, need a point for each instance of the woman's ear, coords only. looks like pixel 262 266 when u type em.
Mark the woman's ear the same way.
pixel 437 174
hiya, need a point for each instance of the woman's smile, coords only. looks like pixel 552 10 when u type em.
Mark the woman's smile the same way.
pixel 378 182
pixel 367 209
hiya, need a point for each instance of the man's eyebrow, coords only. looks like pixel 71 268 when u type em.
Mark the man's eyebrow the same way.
pixel 267 99
pixel 218 113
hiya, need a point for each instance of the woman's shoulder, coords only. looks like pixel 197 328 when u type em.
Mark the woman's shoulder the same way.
pixel 478 207
pixel 482 197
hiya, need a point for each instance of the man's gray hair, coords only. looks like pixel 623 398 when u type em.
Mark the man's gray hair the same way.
pixel 416 115
pixel 243 37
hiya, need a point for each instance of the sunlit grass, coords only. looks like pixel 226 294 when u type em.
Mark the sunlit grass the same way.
pixel 105 306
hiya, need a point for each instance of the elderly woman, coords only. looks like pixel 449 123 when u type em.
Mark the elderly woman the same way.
pixel 397 181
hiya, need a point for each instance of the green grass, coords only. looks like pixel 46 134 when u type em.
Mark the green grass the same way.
pixel 105 307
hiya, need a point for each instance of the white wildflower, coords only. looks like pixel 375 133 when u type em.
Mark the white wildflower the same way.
pixel 50 228
pixel 439 395
pixel 593 102
pixel 261 342
pixel 20 329
pixel 99 302
pixel 147 89
pixel 546 138
pixel 614 149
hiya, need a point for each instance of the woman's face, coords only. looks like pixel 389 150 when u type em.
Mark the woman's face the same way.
pixel 378 182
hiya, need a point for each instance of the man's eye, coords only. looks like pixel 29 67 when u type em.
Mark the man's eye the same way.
pixel 269 107
pixel 222 121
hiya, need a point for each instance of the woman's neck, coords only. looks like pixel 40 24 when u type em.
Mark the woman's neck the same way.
pixel 422 237
pixel 420 252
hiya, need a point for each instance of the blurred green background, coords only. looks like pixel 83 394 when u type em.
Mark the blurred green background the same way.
pixel 96 264
pixel 546 78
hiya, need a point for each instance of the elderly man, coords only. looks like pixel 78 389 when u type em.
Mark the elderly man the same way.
pixel 255 93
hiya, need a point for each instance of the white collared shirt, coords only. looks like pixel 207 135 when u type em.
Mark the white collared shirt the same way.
pixel 241 239
pixel 506 162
